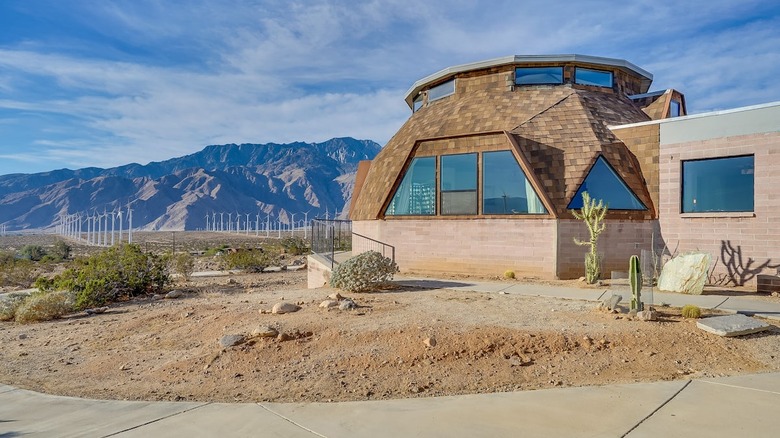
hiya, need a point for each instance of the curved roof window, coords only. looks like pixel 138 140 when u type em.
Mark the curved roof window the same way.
pixel 442 90
pixel 602 182
pixel 598 78
pixel 538 75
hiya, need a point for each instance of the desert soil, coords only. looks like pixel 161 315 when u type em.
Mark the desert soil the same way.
pixel 148 349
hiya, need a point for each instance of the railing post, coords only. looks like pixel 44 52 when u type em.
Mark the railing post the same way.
pixel 333 248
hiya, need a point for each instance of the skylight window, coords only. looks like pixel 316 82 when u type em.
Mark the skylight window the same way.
pixel 538 75
pixel 598 78
pixel 442 90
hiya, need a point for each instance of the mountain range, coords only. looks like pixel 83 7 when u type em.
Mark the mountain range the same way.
pixel 271 179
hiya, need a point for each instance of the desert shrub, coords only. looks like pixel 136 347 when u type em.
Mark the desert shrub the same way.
pixel 120 271
pixel 8 305
pixel 363 273
pixel 294 245
pixel 183 264
pixel 32 252
pixel 509 274
pixel 217 250
pixel 249 260
pixel 60 251
pixel 691 311
pixel 44 306
pixel 17 272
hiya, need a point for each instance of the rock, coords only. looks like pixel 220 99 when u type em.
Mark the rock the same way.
pixel 285 307
pixel 96 310
pixel 775 294
pixel 263 311
pixel 295 267
pixel 22 336
pixel 232 281
pixel 265 332
pixel 611 303
pixel 174 294
pixel 337 296
pixel 273 269
pixel 732 325
pixel 685 273
pixel 124 367
pixel 647 315
pixel 284 337
pixel 231 340
pixel 327 304
pixel 347 304
pixel 429 342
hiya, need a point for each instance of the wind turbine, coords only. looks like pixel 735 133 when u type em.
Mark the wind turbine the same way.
pixel 246 225
pixel 292 224
pixel 113 226
pixel 119 215
pixel 207 222
pixel 129 224
pixel 257 224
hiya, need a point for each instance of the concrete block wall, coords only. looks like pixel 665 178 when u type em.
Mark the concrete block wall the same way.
pixel 475 246
pixel 742 245
pixel 619 241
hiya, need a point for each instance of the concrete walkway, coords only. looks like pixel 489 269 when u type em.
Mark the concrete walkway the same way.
pixel 719 407
pixel 743 406
pixel 748 305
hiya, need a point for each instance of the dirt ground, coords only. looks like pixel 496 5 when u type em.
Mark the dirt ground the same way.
pixel 149 349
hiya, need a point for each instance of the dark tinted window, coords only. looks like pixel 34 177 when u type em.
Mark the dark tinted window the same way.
pixel 603 183
pixel 538 75
pixel 718 184
pixel 505 188
pixel 599 78
pixel 459 184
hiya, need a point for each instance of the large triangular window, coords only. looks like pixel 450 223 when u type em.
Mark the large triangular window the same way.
pixel 602 182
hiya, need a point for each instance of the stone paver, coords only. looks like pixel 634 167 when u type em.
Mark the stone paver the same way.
pixel 732 325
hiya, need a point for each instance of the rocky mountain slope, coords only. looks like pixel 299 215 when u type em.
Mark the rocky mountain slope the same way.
pixel 257 179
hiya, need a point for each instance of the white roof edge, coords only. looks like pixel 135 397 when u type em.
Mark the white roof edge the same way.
pixel 698 116
pixel 518 59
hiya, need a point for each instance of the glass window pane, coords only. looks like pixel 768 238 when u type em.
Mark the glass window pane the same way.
pixel 416 195
pixel 505 189
pixel 418 102
pixel 459 184
pixel 538 75
pixel 603 183
pixel 674 109
pixel 459 172
pixel 586 76
pixel 719 184
pixel 441 90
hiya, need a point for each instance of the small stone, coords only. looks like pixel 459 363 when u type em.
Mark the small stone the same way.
pixel 347 304
pixel 337 296
pixel 96 310
pixel 327 304
pixel 775 294
pixel 284 337
pixel 174 294
pixel 611 303
pixel 732 325
pixel 232 281
pixel 265 332
pixel 429 342
pixel 231 340
pixel 647 315
pixel 284 307
pixel 22 336
pixel 263 311
pixel 124 367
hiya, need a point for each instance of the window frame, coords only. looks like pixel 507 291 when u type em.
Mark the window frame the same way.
pixel 400 183
pixel 585 69
pixel 526 180
pixel 539 68
pixel 709 212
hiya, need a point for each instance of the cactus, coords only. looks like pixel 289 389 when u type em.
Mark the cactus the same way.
pixel 635 280
pixel 592 214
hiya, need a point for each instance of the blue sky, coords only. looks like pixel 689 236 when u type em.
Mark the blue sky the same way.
pixel 103 83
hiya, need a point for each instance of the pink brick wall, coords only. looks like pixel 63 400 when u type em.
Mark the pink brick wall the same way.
pixel 619 241
pixel 742 246
pixel 478 246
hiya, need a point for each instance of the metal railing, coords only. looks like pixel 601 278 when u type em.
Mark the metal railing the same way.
pixel 329 238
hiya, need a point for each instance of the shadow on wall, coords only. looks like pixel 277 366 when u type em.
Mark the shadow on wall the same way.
pixel 738 271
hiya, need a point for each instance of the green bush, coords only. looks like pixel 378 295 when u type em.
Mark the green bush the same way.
pixel 120 271
pixel 295 245
pixel 60 251
pixel 217 250
pixel 363 273
pixel 183 264
pixel 691 311
pixel 250 260
pixel 44 306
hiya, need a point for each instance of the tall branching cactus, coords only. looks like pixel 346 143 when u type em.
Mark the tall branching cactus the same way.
pixel 635 280
pixel 592 213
